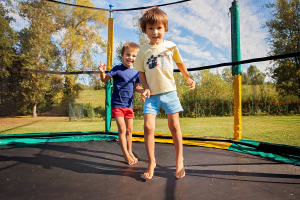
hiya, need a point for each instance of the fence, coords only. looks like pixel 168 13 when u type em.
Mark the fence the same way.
pixel 208 108
pixel 200 108
pixel 80 111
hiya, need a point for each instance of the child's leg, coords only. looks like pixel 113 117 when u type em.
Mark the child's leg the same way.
pixel 129 128
pixel 149 128
pixel 122 139
pixel 174 126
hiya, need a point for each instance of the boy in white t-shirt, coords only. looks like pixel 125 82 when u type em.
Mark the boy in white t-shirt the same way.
pixel 154 62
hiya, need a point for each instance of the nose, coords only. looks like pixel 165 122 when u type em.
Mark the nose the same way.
pixel 155 31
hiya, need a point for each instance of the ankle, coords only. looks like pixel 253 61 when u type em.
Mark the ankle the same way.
pixel 152 162
pixel 180 159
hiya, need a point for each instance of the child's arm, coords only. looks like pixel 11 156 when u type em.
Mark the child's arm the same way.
pixel 102 72
pixel 138 88
pixel 143 80
pixel 183 70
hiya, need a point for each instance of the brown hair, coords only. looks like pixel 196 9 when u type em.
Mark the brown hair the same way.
pixel 129 45
pixel 152 16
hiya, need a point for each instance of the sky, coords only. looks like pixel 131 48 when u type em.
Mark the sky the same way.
pixel 200 28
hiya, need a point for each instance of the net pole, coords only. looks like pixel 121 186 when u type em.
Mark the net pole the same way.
pixel 236 69
pixel 108 84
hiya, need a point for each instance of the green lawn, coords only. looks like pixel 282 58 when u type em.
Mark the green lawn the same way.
pixel 95 97
pixel 283 130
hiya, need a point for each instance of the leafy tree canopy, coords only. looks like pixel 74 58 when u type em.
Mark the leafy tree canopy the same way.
pixel 7 35
pixel 284 38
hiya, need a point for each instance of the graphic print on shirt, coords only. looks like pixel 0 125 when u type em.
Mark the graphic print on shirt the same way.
pixel 162 61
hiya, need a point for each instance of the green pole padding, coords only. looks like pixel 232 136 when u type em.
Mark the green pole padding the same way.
pixel 235 38
pixel 253 147
pixel 108 86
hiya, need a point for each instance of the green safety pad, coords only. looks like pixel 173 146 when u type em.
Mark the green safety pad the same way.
pixel 253 147
pixel 48 133
pixel 53 138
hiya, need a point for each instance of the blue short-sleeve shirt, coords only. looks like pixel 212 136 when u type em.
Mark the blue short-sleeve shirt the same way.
pixel 124 83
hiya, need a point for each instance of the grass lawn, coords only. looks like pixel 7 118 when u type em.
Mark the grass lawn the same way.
pixel 95 97
pixel 283 130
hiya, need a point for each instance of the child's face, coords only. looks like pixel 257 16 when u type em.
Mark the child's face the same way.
pixel 129 57
pixel 155 33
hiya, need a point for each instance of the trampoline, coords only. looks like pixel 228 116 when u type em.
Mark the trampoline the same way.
pixel 92 166
pixel 96 170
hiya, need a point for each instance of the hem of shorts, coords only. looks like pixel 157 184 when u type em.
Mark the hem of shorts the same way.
pixel 175 111
pixel 172 112
pixel 150 113
pixel 123 116
pixel 162 92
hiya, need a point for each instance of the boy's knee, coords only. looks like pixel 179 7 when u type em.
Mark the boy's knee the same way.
pixel 174 126
pixel 129 131
pixel 148 127
pixel 122 130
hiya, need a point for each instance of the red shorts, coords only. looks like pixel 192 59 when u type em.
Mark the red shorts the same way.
pixel 122 112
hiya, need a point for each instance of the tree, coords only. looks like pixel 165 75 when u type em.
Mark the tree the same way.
pixel 245 79
pixel 284 31
pixel 80 39
pixel 227 75
pixel 8 36
pixel 256 77
pixel 211 86
pixel 11 99
pixel 37 49
pixel 119 50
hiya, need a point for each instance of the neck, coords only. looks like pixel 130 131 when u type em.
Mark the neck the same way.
pixel 127 66
pixel 162 41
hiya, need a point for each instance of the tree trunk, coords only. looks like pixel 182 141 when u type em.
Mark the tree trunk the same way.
pixel 34 110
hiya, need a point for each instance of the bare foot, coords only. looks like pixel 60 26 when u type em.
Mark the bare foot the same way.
pixel 134 158
pixel 129 160
pixel 150 170
pixel 180 172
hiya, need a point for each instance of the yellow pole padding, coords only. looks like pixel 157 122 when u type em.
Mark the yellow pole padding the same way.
pixel 212 144
pixel 237 107
pixel 110 43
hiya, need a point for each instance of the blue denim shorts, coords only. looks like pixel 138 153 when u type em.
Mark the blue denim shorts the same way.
pixel 169 102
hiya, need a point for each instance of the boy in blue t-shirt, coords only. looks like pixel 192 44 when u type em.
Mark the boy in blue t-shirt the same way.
pixel 126 81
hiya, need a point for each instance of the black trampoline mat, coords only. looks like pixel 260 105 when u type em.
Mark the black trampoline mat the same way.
pixel 96 170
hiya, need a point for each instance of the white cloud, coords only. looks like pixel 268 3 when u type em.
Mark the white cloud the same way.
pixel 125 20
pixel 253 43
pixel 202 29
pixel 195 51
pixel 20 23
pixel 207 19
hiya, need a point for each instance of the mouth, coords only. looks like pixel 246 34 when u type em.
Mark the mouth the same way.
pixel 130 62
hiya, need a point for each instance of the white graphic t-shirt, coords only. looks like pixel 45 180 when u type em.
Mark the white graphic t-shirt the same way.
pixel 157 63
